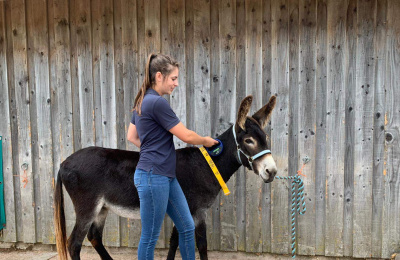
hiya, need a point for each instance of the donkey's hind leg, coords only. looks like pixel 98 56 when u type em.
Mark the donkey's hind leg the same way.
pixel 77 235
pixel 173 244
pixel 95 234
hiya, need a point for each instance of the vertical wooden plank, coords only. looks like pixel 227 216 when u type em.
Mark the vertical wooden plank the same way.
pixel 391 214
pixel 351 54
pixel 213 216
pixel 199 92
pixel 294 84
pixel 142 57
pixel 379 130
pixel 152 26
pixel 76 109
pixel 320 150
pixel 10 233
pixel 364 133
pixel 62 120
pixel 130 88
pixel 335 128
pixel 240 94
pixel 307 121
pixel 266 93
pixel 108 102
pixel 22 88
pixel 164 33
pixel 226 114
pixel 83 62
pixel 253 87
pixel 129 59
pixel 95 26
pixel 34 121
pixel 201 33
pixel 119 101
pixel 175 47
pixel 38 34
pixel 280 126
pixel 189 61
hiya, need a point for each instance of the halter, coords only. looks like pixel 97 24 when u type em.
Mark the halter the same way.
pixel 250 159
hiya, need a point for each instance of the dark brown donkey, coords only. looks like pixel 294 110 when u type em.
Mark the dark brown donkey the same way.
pixel 99 179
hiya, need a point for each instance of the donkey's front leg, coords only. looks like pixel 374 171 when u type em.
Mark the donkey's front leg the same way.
pixel 201 239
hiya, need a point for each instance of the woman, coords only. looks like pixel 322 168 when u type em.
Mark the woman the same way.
pixel 152 127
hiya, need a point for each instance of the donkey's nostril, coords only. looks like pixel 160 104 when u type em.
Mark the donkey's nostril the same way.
pixel 271 172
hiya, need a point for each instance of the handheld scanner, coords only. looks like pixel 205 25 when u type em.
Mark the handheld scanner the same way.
pixel 215 150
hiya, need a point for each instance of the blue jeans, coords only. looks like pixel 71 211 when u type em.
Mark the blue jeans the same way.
pixel 159 195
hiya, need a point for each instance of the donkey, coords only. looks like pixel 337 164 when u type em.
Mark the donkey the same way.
pixel 100 179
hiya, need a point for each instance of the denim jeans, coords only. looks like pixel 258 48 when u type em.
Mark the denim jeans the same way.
pixel 159 195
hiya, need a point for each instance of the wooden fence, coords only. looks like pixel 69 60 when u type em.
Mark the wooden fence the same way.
pixel 69 71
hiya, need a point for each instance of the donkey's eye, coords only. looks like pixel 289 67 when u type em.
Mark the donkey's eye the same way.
pixel 249 141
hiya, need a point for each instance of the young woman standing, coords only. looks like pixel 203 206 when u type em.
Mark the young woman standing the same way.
pixel 151 129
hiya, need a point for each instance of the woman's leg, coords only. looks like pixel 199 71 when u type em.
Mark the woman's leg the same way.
pixel 153 192
pixel 179 212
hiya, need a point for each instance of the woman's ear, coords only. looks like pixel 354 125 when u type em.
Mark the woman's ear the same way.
pixel 159 77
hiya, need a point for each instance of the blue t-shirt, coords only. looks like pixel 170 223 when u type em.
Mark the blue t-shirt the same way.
pixel 157 148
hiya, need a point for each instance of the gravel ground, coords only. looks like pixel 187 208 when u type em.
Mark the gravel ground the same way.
pixel 10 251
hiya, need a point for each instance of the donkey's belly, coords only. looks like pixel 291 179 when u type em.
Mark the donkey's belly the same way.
pixel 131 213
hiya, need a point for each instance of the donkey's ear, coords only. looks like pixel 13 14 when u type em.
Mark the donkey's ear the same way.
pixel 244 110
pixel 262 116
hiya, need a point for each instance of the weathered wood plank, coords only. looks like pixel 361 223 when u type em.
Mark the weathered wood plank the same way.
pixel 22 89
pixel 294 72
pixel 129 48
pixel 201 70
pixel 10 233
pixel 39 49
pixel 391 213
pixel 226 115
pixel 253 87
pixel 307 121
pixel 351 54
pixel 33 122
pixel 364 133
pixel 108 102
pixel 379 130
pixel 213 220
pixel 176 48
pixel 240 94
pixel 335 135
pixel 280 126
pixel 62 121
pixel 83 59
pixel 74 77
pixel 266 93
pixel 141 32
pixel 320 149
pixel 152 26
pixel 95 26
pixel 119 101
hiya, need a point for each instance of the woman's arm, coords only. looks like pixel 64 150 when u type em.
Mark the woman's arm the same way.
pixel 191 137
pixel 132 135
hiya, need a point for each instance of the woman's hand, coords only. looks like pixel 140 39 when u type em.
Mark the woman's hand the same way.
pixel 208 141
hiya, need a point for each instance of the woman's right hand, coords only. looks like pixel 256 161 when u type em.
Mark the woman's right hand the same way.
pixel 208 141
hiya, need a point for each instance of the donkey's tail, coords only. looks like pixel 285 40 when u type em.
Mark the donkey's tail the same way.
pixel 59 220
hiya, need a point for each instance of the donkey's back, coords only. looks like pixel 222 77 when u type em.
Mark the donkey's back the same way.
pixel 97 176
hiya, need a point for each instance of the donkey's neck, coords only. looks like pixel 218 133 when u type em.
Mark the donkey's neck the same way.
pixel 227 163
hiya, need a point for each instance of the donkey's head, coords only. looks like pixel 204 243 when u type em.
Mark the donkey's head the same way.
pixel 253 148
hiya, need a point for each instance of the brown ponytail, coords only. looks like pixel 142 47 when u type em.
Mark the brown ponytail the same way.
pixel 155 63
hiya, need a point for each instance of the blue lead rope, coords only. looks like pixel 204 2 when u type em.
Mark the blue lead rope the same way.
pixel 297 203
